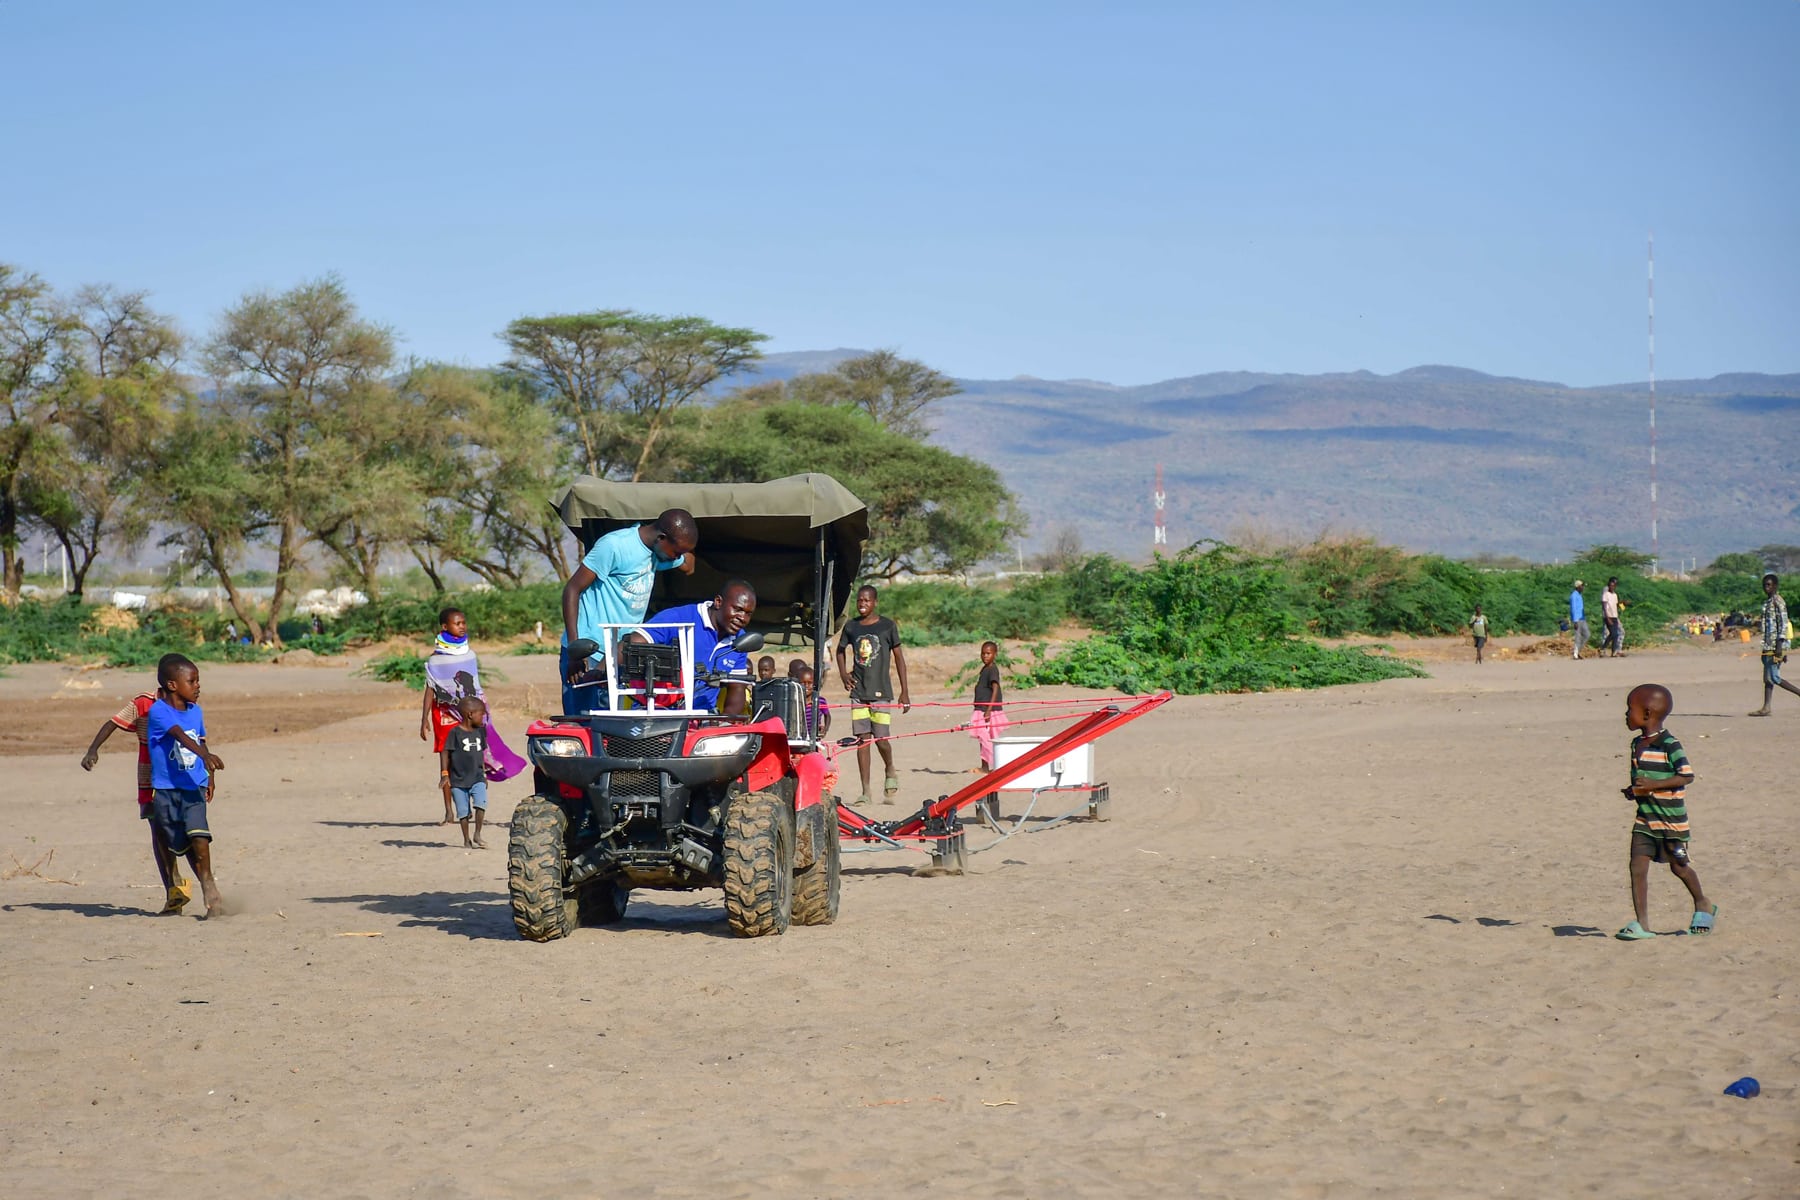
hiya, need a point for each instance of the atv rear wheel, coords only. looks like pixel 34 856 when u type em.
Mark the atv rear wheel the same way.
pixel 536 862
pixel 603 903
pixel 759 864
pixel 816 888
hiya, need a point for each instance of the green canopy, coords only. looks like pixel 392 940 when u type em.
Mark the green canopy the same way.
pixel 772 534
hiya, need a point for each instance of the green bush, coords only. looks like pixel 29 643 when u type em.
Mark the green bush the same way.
pixel 1211 619
pixel 935 614
pixel 39 631
pixel 492 613
pixel 397 668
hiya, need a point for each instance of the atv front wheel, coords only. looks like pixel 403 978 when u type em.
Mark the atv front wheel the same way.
pixel 816 888
pixel 536 861
pixel 759 864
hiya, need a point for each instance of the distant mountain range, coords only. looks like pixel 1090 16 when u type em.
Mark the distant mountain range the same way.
pixel 1433 458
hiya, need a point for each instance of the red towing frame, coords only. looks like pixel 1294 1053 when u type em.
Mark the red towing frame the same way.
pixel 936 823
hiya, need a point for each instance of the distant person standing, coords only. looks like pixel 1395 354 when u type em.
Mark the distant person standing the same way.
pixel 1578 626
pixel 1478 626
pixel 1612 632
pixel 870 640
pixel 988 721
pixel 1776 634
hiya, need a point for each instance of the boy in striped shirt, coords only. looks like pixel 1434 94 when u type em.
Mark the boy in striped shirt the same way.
pixel 1660 773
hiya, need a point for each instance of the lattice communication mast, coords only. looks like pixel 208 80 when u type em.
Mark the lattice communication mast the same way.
pixel 1160 532
pixel 1655 556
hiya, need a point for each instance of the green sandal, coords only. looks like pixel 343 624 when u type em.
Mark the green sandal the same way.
pixel 1633 933
pixel 1703 921
pixel 892 785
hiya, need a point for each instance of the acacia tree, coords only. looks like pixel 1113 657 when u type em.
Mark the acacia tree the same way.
pixel 117 396
pixel 929 510
pixel 376 455
pixel 894 391
pixel 615 377
pixel 36 342
pixel 202 487
pixel 296 369
pixel 494 463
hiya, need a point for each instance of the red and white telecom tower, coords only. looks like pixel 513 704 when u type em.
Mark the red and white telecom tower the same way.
pixel 1160 534
pixel 1655 547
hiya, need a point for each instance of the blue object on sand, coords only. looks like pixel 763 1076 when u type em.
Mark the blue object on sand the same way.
pixel 1745 1087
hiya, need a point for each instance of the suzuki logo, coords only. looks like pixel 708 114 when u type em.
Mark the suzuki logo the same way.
pixel 635 731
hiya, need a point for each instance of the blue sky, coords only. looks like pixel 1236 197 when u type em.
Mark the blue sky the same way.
pixel 1126 192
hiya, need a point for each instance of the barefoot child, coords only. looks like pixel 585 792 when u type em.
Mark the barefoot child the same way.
pixel 181 767
pixel 451 676
pixel 1660 773
pixel 462 771
pixel 989 719
pixel 176 890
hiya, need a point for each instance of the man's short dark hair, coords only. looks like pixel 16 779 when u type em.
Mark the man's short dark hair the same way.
pixel 869 588
pixel 1771 577
pixel 678 524
pixel 732 585
pixel 171 665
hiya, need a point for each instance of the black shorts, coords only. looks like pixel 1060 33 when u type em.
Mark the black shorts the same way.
pixel 1480 642
pixel 1662 850
pixel 179 814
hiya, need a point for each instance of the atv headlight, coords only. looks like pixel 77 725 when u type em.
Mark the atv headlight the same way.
pixel 724 744
pixel 559 747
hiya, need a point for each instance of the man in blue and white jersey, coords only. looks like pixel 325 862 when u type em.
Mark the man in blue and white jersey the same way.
pixel 716 624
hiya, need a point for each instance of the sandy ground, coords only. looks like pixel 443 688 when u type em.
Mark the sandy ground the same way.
pixel 1333 944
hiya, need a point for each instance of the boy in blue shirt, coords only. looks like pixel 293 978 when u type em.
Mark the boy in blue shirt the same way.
pixel 181 783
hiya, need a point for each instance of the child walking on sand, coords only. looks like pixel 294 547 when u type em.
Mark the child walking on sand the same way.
pixel 452 675
pixel 1660 773
pixel 463 772
pixel 181 771
pixel 176 890
pixel 989 719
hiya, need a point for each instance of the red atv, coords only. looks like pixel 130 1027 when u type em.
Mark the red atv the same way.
pixel 665 796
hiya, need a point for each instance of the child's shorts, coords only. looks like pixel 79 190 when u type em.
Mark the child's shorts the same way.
pixel 1661 850
pixel 179 814
pixel 866 719
pixel 1771 665
pixel 469 797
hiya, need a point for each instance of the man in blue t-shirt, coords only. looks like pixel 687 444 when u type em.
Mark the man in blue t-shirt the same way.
pixel 716 624
pixel 612 584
